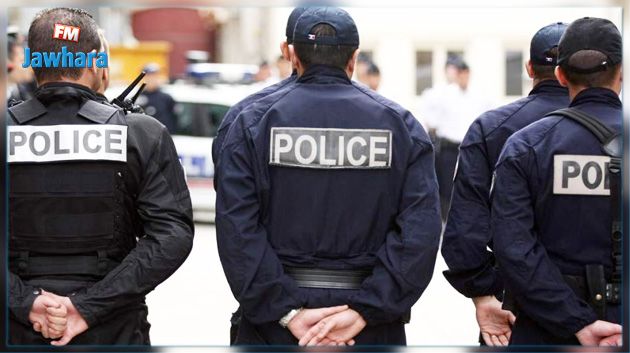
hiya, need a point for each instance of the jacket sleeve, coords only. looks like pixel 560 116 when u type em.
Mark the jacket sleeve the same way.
pixel 467 233
pixel 21 298
pixel 164 207
pixel 251 265
pixel 405 262
pixel 530 276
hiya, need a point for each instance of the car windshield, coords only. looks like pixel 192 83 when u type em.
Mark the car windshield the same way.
pixel 199 119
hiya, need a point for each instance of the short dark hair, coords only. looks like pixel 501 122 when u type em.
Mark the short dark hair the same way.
pixel 40 39
pixel 586 59
pixel 331 55
pixel 546 72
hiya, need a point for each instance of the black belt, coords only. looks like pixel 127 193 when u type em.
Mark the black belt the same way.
pixel 332 279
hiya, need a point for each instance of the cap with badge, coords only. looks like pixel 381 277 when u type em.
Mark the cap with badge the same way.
pixel 544 41
pixel 293 17
pixel 340 20
pixel 590 34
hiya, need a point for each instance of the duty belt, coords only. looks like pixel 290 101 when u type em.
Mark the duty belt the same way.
pixel 594 289
pixel 321 278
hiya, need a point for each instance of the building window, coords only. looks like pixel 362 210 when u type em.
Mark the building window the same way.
pixel 424 71
pixel 514 73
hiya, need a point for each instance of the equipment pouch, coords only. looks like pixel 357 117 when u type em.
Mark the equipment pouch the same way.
pixel 596 285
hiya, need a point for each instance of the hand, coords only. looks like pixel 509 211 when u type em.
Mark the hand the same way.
pixel 75 322
pixel 593 334
pixel 494 322
pixel 338 328
pixel 307 318
pixel 48 316
pixel 614 340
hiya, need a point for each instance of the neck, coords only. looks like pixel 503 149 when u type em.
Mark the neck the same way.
pixel 80 81
pixel 300 71
pixel 575 90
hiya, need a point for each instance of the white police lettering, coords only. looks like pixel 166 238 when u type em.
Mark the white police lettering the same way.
pixel 330 148
pixel 581 175
pixel 67 143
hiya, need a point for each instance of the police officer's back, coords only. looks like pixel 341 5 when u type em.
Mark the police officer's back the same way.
pixel 472 269
pixel 327 196
pixel 553 211
pixel 99 209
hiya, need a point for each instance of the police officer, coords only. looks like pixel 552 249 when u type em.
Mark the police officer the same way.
pixel 472 268
pixel 156 102
pixel 327 202
pixel 553 199
pixel 236 109
pixel 99 209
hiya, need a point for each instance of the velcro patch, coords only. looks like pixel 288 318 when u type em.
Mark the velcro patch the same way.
pixel 28 143
pixel 330 148
pixel 581 175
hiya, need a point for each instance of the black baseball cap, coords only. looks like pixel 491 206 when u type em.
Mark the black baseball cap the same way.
pixel 544 41
pixel 340 20
pixel 293 17
pixel 593 34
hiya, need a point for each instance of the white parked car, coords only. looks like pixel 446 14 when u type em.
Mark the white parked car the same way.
pixel 200 110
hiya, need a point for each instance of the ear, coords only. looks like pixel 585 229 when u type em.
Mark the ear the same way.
pixel 105 78
pixel 620 74
pixel 529 67
pixel 295 60
pixel 352 63
pixel 284 49
pixel 562 79
pixel 93 68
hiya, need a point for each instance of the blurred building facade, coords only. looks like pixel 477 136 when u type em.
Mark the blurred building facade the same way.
pixel 409 44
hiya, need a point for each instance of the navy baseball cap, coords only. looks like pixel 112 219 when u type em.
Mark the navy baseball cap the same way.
pixel 293 17
pixel 544 41
pixel 591 34
pixel 340 20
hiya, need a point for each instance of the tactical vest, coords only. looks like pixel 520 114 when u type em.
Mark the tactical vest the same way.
pixel 71 195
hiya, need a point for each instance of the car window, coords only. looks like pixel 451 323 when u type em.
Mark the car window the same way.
pixel 199 119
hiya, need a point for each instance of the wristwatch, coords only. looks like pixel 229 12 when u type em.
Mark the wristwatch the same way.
pixel 284 321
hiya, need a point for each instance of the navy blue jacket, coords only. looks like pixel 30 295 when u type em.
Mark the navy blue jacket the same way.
pixel 236 109
pixel 472 269
pixel 382 219
pixel 540 234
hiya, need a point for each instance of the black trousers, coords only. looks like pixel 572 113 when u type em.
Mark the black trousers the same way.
pixel 124 327
pixel 445 162
pixel 272 333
